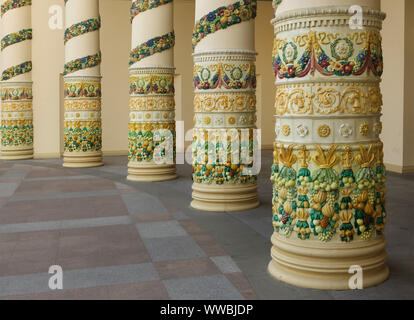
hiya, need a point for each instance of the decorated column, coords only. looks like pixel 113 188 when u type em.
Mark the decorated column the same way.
pixel 152 106
pixel 82 82
pixel 328 173
pixel 16 92
pixel 224 105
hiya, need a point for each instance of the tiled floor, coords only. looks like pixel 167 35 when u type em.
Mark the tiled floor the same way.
pixel 113 241
pixel 116 239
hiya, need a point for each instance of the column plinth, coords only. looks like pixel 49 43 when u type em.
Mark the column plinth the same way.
pixel 224 106
pixel 323 266
pixel 226 198
pixel 16 85
pixel 152 135
pixel 328 173
pixel 82 86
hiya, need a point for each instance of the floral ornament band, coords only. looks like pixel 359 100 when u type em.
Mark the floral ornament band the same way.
pixel 16 94
pixel 82 63
pixel 16 133
pixel 344 194
pixel 83 137
pixel 149 48
pixel 139 6
pixel 287 63
pixel 223 18
pixel 83 89
pixel 16 37
pixel 12 72
pixel 82 27
pixel 14 4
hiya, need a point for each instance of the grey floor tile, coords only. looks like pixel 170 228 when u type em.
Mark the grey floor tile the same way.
pixel 61 178
pixel 110 275
pixel 226 264
pixel 174 248
pixel 162 229
pixel 67 195
pixel 7 189
pixel 64 224
pixel 179 215
pixel 15 174
pixel 121 186
pixel 121 170
pixel 216 287
pixel 143 203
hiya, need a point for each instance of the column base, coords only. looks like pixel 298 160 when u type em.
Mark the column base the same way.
pixel 224 198
pixel 151 172
pixel 82 159
pixel 325 266
pixel 16 154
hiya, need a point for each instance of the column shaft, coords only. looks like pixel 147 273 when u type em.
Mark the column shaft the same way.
pixel 152 105
pixel 328 174
pixel 82 82
pixel 224 105
pixel 16 92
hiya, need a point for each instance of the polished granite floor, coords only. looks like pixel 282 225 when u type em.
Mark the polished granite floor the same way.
pixel 116 239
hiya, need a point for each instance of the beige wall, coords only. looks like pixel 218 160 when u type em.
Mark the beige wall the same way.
pixel 48 53
pixel 393 81
pixel 398 85
pixel 115 46
pixel 409 88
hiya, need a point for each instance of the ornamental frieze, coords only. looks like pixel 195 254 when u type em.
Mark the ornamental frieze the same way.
pixel 83 105
pixel 329 99
pixel 332 130
pixel 16 93
pixel 151 84
pixel 16 106
pixel 82 89
pixel 152 103
pixel 234 76
pixel 225 120
pixel 327 54
pixel 145 116
pixel 210 102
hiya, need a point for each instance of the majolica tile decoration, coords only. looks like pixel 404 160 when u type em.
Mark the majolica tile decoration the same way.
pixel 82 92
pixel 16 95
pixel 152 104
pixel 82 115
pixel 151 47
pixel 13 4
pixel 224 109
pixel 139 6
pixel 223 18
pixel 16 37
pixel 151 108
pixel 17 117
pixel 328 174
pixel 76 30
pixel 82 27
pixel 308 106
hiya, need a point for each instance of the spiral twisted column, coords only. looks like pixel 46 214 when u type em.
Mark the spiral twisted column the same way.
pixel 328 173
pixel 224 105
pixel 82 85
pixel 16 92
pixel 152 107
